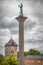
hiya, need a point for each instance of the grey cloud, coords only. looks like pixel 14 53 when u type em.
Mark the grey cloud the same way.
pixel 8 0
pixel 15 30
pixel 7 9
pixel 1 49
pixel 35 1
pixel 39 15
pixel 29 24
pixel 39 33
pixel 2 34
pixel 40 30
pixel 38 12
pixel 40 48
pixel 37 6
pixel 33 41
pixel 4 23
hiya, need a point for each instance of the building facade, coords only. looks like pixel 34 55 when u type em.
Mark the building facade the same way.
pixel 11 47
pixel 33 60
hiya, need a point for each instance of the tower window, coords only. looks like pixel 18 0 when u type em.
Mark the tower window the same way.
pixel 12 49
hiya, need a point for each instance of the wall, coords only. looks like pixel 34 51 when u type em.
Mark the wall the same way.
pixel 10 49
pixel 33 62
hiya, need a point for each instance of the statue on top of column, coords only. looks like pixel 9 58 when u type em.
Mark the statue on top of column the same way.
pixel 21 10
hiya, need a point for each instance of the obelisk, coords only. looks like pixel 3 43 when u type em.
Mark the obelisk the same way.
pixel 21 20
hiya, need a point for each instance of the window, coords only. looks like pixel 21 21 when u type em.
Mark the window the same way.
pixel 38 62
pixel 12 49
pixel 42 62
pixel 32 62
pixel 28 62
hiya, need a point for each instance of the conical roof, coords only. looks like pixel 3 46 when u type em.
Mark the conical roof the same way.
pixel 11 42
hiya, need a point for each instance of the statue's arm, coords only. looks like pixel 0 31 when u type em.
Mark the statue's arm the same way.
pixel 18 5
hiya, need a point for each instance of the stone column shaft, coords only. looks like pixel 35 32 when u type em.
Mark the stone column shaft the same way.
pixel 21 42
pixel 21 20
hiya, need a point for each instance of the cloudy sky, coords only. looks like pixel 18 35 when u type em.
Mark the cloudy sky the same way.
pixel 33 26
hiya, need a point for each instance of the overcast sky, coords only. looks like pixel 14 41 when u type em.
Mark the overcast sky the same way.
pixel 33 26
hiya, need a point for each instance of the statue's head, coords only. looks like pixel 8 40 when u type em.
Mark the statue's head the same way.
pixel 21 4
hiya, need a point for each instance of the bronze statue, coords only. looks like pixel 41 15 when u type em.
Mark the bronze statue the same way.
pixel 21 10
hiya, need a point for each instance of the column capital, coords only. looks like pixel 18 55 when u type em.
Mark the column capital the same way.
pixel 21 18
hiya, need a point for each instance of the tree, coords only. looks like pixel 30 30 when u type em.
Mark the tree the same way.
pixel 1 58
pixel 4 63
pixel 34 52
pixel 11 60
pixel 25 53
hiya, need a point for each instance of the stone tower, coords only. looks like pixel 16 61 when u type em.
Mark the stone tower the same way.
pixel 21 20
pixel 11 47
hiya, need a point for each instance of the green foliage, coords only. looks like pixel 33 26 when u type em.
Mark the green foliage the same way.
pixel 1 58
pixel 25 53
pixel 32 52
pixel 10 60
pixel 4 63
